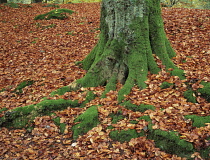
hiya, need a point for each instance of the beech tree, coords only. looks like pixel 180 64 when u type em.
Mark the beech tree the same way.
pixel 132 37
pixel 132 33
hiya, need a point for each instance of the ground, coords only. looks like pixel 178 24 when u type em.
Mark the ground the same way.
pixel 45 52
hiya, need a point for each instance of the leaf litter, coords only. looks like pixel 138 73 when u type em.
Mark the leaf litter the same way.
pixel 46 52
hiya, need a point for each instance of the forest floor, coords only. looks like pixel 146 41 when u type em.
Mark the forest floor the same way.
pixel 45 51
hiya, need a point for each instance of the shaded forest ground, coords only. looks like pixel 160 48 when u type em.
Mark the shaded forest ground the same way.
pixel 46 52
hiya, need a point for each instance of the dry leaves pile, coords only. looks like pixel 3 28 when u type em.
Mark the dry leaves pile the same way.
pixel 45 51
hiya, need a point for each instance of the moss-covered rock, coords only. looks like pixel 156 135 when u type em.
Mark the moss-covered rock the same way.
pixel 171 143
pixel 87 121
pixel 55 14
pixel 22 117
pixel 198 121
pixel 140 108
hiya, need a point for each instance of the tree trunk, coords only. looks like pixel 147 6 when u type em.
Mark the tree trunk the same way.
pixel 132 32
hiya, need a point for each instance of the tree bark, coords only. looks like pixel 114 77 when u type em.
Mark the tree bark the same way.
pixel 131 32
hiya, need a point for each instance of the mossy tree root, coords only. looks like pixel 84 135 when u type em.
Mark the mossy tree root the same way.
pixel 22 117
pixel 125 50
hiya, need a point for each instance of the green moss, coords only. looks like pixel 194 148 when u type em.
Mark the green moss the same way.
pixel 3 109
pixel 165 85
pixel 52 5
pixel 148 119
pixel 62 126
pixel 116 117
pixel 169 49
pixel 22 85
pixel 178 72
pixel 159 43
pixel 171 143
pixel 205 151
pixel 90 96
pixel 110 127
pixel 22 117
pixel 134 122
pixel 125 89
pixel 12 5
pixel 61 91
pixel 87 121
pixel 54 14
pixel 198 121
pixel 190 96
pixel 2 90
pixel 140 108
pixel 111 85
pixel 124 135
pixel 205 91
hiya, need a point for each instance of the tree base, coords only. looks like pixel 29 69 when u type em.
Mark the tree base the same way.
pixel 125 53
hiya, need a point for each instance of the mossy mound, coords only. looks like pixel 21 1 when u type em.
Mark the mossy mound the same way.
pixel 22 117
pixel 140 108
pixel 87 121
pixel 198 121
pixel 55 14
pixel 124 135
pixel 171 143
